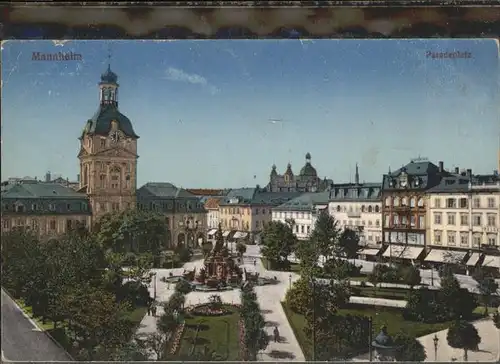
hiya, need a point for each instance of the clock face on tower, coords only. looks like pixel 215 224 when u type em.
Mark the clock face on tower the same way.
pixel 115 136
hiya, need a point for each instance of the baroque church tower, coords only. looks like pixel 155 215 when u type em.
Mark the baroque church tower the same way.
pixel 108 153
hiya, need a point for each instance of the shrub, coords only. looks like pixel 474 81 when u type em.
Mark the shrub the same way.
pixel 183 287
pixel 410 275
pixel 135 293
pixel 130 259
pixel 340 269
pixel 299 296
pixel 183 253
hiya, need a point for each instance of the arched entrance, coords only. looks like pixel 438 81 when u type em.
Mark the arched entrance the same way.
pixel 181 239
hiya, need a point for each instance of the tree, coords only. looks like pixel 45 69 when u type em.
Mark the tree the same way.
pixel 255 335
pixel 308 257
pixel 153 342
pixel 167 322
pixel 348 243
pixel 408 348
pixel 456 301
pixel 463 335
pixel 241 248
pixel 183 287
pixel 135 231
pixel 278 242
pixel 325 235
pixel 496 319
pixel 411 276
pixel 487 287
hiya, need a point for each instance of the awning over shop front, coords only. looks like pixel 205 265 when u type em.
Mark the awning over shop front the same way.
pixel 445 256
pixel 369 252
pixel 226 233
pixel 491 261
pixel 473 259
pixel 403 252
pixel 212 231
pixel 243 234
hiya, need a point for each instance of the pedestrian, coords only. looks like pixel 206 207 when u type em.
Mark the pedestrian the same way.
pixel 276 334
pixel 153 310
pixel 254 262
pixel 149 309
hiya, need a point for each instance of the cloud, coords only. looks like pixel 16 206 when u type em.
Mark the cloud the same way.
pixel 178 75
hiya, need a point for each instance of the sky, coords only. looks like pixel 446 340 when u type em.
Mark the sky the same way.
pixel 218 114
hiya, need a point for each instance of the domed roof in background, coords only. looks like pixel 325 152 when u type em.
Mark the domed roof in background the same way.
pixel 308 170
pixel 109 76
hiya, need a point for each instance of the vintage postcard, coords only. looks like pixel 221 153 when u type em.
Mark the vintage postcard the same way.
pixel 251 200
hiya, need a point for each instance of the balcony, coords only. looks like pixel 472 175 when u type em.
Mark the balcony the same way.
pixel 354 214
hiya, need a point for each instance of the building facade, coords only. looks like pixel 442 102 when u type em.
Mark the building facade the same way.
pixel 184 213
pixel 358 206
pixel 464 213
pixel 213 213
pixel 108 154
pixel 404 214
pixel 47 209
pixel 303 211
pixel 306 181
pixel 244 212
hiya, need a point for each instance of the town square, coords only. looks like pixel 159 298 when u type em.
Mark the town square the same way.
pixel 319 200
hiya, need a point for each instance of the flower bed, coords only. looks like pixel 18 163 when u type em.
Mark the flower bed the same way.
pixel 177 338
pixel 243 349
pixel 206 310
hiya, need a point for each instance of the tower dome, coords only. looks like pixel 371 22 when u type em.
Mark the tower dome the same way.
pixel 109 76
pixel 308 170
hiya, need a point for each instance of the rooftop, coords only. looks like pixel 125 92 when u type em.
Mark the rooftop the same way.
pixel 163 190
pixel 37 190
pixel 304 202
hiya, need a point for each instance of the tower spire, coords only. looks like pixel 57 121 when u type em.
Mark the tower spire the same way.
pixel 356 176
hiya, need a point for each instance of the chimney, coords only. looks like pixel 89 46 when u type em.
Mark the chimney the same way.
pixel 441 167
pixel 47 177
pixel 457 170
pixel 469 172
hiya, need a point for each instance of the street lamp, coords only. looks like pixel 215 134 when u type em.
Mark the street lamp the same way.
pixel 436 341
pixel 289 281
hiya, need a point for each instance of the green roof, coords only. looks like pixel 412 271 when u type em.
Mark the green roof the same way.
pixel 305 201
pixel 164 190
pixel 100 123
pixel 40 190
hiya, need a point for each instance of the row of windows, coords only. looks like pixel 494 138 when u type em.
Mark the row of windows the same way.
pixel 163 206
pixel 243 211
pixel 108 207
pixel 477 220
pixel 115 181
pixel 291 214
pixel 34 224
pixel 403 221
pixel 363 208
pixel 404 201
pixel 463 238
pixel 304 229
pixel 464 202
pixel 360 223
pixel 20 207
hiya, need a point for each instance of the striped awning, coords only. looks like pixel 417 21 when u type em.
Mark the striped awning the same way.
pixel 491 261
pixel 445 256
pixel 473 259
pixel 403 252
pixel 211 231
pixel 226 233
pixel 369 252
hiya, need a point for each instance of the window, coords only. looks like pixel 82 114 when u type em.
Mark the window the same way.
pixel 476 220
pixel 437 203
pixel 492 240
pixel 412 202
pixel 370 209
pixel 437 237
pixel 451 237
pixel 464 219
pixel 451 203
pixel 263 211
pixel 20 208
pixel 370 223
pixel 69 225
pixel 338 208
pixel 52 225
pixel 297 229
pixel 115 206
pixel 377 223
pixel 377 209
pixel 437 218
pixel 476 203
pixel 404 201
pixel 102 206
pixel 256 211
pixel 491 220
pixel 395 219
pixel 451 219
pixel 363 222
pixel 463 203
pixel 476 240
pixel 388 201
pixel 362 208
pixel 102 181
pixel 103 143
pixel 491 202
pixel 34 207
pixel 420 202
pixel 302 229
pixel 396 201
pixel 52 207
pixel 412 221
pixel 6 224
pixel 421 222
pixel 464 239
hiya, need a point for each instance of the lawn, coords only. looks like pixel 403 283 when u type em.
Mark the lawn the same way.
pixel 294 267
pixel 220 334
pixel 391 317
